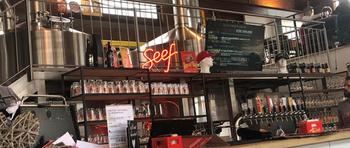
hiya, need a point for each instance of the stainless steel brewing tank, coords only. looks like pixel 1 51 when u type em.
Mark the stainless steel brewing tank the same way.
pixel 13 57
pixel 55 47
pixel 7 60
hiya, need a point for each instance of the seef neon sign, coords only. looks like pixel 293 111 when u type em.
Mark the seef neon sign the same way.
pixel 156 57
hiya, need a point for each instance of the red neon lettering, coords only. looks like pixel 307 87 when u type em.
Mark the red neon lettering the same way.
pixel 158 57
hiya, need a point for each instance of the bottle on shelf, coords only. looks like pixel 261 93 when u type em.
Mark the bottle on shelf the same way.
pixel 109 55
pixel 89 55
pixel 97 49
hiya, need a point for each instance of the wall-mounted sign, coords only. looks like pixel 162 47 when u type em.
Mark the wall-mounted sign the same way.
pixel 237 46
pixel 154 58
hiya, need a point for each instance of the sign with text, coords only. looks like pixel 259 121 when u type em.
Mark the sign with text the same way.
pixel 237 46
pixel 155 58
pixel 117 123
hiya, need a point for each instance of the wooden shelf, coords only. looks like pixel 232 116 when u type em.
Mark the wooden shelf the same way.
pixel 108 97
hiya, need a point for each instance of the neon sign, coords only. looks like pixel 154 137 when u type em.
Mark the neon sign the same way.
pixel 159 56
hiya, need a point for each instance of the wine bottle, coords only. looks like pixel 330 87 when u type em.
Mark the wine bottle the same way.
pixel 109 55
pixel 89 55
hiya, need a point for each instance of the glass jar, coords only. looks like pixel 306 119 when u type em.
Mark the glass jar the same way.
pixel 133 86
pixel 90 114
pixel 147 89
pixel 111 88
pixel 80 115
pixel 164 89
pixel 171 89
pixel 105 87
pixel 177 89
pixel 153 88
pixel 93 87
pixel 86 87
pixel 141 86
pixel 99 86
pixel 118 87
pixel 126 86
pixel 186 88
pixel 97 114
pixel 76 89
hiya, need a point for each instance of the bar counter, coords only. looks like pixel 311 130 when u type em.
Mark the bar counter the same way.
pixel 296 142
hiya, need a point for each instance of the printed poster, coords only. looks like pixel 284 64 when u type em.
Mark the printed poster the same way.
pixel 189 62
pixel 117 123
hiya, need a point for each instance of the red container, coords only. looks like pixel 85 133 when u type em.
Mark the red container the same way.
pixel 310 126
pixel 167 142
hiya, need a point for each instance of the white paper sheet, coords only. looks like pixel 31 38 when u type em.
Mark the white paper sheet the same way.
pixel 66 139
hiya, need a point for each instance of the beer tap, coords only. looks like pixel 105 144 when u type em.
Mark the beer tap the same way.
pixel 270 107
pixel 274 114
pixel 251 110
pixel 259 107
pixel 298 108
pixel 280 113
pixel 244 109
pixel 250 116
pixel 284 108
pixel 255 116
pixel 291 109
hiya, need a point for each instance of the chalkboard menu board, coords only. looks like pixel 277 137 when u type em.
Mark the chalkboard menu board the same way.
pixel 238 46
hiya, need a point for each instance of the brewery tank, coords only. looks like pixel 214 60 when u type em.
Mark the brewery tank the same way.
pixel 58 48
pixel 51 45
pixel 53 42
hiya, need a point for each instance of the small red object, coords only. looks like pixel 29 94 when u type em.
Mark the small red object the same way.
pixel 204 54
pixel 167 142
pixel 310 126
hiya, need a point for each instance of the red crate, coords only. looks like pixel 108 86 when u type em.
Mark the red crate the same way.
pixel 167 142
pixel 310 126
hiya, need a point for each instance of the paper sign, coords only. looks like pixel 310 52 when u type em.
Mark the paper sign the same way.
pixel 117 122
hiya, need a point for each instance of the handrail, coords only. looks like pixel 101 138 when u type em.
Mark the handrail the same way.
pixel 208 9
pixel 15 75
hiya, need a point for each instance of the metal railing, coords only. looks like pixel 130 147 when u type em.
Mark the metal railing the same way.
pixel 182 23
